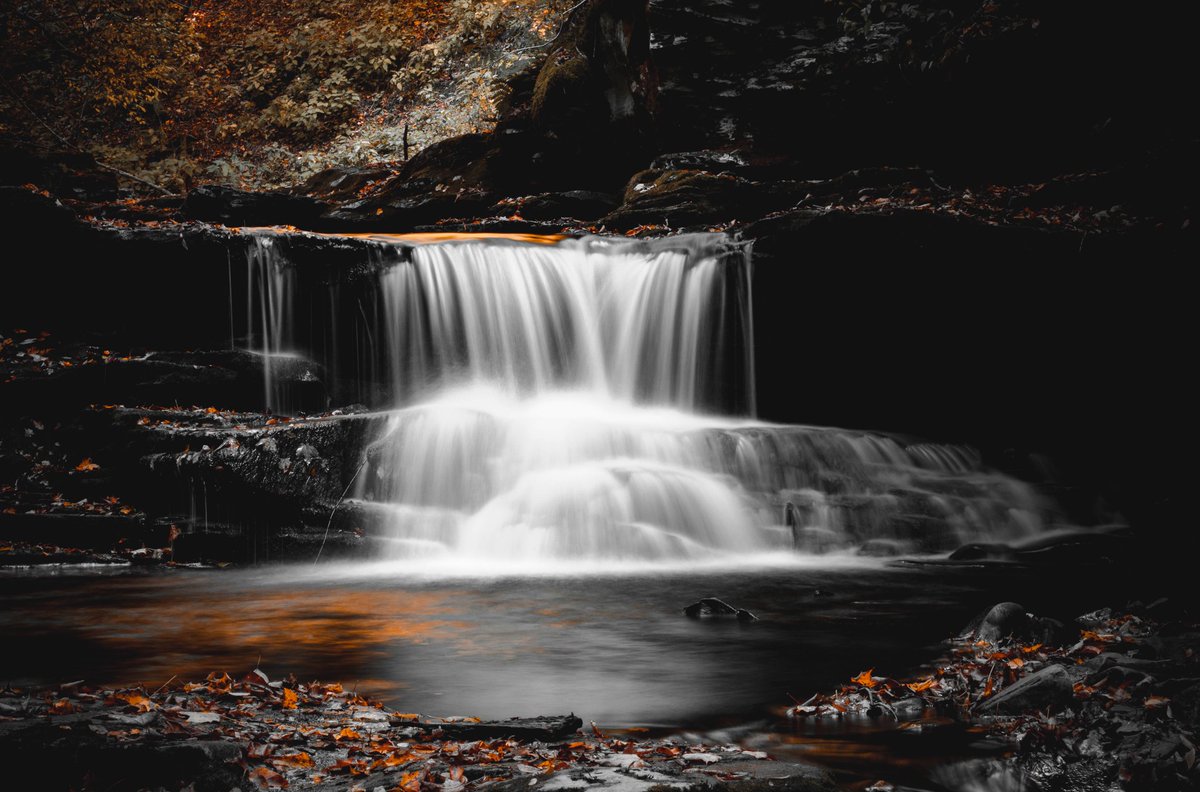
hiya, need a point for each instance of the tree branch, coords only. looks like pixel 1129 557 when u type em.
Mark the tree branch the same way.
pixel 74 147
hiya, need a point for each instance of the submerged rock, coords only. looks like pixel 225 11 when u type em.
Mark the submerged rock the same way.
pixel 711 607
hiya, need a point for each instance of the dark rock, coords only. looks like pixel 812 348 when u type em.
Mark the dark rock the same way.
pixel 708 160
pixel 345 183
pixel 65 174
pixel 687 198
pixel 711 607
pixel 544 728
pixel 235 379
pixel 22 209
pixel 983 552
pixel 87 531
pixel 1185 704
pixel 403 205
pixel 1040 690
pixel 575 204
pixel 233 207
pixel 593 80
pixel 1007 619
pixel 567 97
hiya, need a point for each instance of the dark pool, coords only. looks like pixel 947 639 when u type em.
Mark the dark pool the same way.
pixel 612 648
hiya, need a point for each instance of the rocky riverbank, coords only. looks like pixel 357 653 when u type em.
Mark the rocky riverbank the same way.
pixel 1108 703
pixel 224 733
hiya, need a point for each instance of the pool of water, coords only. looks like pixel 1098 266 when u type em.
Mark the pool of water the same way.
pixel 614 648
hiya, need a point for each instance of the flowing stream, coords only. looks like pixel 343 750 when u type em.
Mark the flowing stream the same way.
pixel 590 402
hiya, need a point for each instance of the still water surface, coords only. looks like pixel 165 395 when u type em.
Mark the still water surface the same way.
pixel 613 648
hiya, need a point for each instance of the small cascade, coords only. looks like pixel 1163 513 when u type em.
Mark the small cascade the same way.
pixel 658 323
pixel 569 402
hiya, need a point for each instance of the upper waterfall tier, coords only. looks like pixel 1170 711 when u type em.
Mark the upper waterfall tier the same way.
pixel 665 322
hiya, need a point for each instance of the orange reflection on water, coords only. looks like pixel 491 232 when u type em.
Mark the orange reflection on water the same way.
pixel 271 627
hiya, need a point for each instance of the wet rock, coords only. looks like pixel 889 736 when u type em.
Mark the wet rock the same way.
pixel 711 607
pixel 758 776
pixel 233 207
pixel 980 551
pixel 709 160
pixel 575 204
pixel 1040 690
pixel 1007 619
pixel 544 728
pixel 686 198
pixel 87 531
pixel 235 379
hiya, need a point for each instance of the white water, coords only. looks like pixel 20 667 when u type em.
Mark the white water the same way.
pixel 551 406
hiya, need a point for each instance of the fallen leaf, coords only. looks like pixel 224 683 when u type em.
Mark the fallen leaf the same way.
pixel 266 778
pixel 865 679
pixel 292 761
pixel 86 466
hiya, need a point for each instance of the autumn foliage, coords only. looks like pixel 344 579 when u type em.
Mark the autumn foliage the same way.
pixel 183 91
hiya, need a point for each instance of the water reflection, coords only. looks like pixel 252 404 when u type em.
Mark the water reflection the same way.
pixel 614 649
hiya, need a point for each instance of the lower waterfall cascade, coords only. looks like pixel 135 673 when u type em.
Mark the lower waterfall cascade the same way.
pixel 592 400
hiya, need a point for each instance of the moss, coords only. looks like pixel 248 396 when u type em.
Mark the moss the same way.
pixel 565 93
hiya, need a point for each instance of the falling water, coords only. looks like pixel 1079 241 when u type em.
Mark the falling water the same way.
pixel 593 400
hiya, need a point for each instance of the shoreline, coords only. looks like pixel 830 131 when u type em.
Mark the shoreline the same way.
pixel 1015 700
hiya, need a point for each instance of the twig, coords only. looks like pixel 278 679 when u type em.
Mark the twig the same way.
pixel 164 684
pixel 335 508
pixel 562 29
pixel 71 145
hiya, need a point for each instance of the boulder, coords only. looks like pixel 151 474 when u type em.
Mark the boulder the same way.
pixel 1007 619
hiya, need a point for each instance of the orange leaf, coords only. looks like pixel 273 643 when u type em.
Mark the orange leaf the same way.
pixel 348 734
pixel 142 703
pixel 292 761
pixel 351 766
pixel 267 778
pixel 410 782
pixel 63 707
pixel 865 679
pixel 290 699
pixel 923 685
pixel 86 466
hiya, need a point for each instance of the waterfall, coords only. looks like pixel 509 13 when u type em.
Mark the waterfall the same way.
pixel 593 400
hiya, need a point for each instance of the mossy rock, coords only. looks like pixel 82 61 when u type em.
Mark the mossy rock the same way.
pixel 566 95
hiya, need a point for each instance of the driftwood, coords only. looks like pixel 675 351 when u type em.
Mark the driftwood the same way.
pixel 543 728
